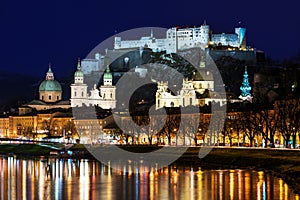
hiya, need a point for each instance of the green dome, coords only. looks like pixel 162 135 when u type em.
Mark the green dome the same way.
pixel 50 85
pixel 107 74
pixel 78 73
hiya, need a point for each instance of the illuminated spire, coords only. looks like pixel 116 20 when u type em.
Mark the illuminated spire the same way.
pixel 245 88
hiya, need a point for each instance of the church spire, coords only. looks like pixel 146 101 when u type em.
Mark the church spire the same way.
pixel 79 65
pixel 78 75
pixel 245 87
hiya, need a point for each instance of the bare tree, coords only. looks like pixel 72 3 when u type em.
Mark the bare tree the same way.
pixel 171 124
pixel 249 125
pixel 288 119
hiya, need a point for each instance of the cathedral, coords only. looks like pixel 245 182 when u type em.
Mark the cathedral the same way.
pixel 104 96
pixel 50 96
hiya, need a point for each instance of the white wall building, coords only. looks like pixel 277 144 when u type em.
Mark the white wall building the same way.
pixel 184 38
pixel 104 97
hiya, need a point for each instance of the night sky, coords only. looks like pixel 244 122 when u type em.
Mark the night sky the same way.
pixel 34 33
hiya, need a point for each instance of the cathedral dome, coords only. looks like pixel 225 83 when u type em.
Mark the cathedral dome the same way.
pixel 50 85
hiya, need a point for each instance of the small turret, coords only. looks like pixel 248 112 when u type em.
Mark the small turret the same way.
pixel 107 78
pixel 78 75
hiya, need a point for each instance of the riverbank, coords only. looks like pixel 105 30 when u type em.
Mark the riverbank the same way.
pixel 283 163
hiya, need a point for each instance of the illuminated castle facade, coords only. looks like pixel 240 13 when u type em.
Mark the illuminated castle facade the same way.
pixel 104 96
pixel 184 38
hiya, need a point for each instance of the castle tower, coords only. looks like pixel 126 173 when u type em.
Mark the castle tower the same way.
pixel 241 32
pixel 204 31
pixel 79 88
pixel 50 90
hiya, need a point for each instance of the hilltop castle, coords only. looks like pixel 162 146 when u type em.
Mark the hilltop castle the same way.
pixel 185 38
pixel 176 39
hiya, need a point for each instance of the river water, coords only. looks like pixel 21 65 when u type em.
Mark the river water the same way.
pixel 89 179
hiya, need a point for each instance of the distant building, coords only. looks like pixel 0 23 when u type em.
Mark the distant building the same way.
pixel 104 96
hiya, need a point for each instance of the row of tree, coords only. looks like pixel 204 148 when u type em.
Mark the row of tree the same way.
pixel 253 122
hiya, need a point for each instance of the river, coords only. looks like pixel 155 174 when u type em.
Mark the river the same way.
pixel 89 179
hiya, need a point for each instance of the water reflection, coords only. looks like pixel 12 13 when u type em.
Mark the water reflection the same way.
pixel 88 179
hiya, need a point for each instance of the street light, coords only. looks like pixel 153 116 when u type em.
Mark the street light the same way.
pixel 230 134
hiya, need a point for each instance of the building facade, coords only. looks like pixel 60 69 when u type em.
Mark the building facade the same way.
pixel 192 92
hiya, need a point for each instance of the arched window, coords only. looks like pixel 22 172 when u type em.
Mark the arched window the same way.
pixel 172 104
pixel 82 94
pixel 49 97
pixel 111 95
pixel 75 94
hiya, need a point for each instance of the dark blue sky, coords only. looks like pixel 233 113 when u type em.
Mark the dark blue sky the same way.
pixel 34 33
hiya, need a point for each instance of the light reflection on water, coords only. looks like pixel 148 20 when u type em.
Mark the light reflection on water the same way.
pixel 89 179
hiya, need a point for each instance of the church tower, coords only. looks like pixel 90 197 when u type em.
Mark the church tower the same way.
pixel 108 91
pixel 187 94
pixel 79 88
